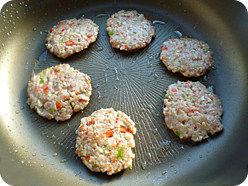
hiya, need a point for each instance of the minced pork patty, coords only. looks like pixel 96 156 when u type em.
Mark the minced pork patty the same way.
pixel 191 111
pixel 129 30
pixel 105 140
pixel 59 91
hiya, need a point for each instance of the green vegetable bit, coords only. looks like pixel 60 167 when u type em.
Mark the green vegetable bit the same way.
pixel 120 153
pixel 83 91
pixel 36 109
pixel 41 80
pixel 95 25
pixel 166 96
pixel 51 111
pixel 95 165
pixel 130 166
pixel 137 15
pixel 30 85
pixel 63 40
pixel 124 12
pixel 104 148
pixel 111 33
pixel 135 32
pixel 184 95
pixel 193 99
pixel 206 51
pixel 177 133
pixel 70 37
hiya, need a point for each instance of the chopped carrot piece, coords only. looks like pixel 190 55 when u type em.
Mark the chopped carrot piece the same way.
pixel 117 144
pixel 36 88
pixel 86 132
pixel 72 86
pixel 130 130
pixel 56 72
pixel 58 105
pixel 123 129
pixel 87 158
pixel 46 90
pixel 164 47
pixel 166 113
pixel 109 133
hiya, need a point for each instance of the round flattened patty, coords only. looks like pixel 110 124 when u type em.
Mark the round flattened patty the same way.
pixel 58 92
pixel 191 111
pixel 190 57
pixel 71 36
pixel 105 140
pixel 129 30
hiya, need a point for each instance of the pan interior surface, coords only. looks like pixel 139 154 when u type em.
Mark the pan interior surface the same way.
pixel 37 150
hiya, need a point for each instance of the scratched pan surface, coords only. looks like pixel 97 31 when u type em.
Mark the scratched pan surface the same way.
pixel 35 151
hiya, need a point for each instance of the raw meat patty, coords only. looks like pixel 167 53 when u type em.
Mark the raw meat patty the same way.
pixel 59 91
pixel 129 30
pixel 105 140
pixel 190 57
pixel 191 111
pixel 71 36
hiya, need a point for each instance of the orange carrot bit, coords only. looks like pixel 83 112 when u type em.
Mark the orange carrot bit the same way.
pixel 72 86
pixel 101 136
pixel 43 102
pixel 70 43
pixel 211 98
pixel 78 150
pixel 126 47
pixel 114 161
pixel 130 130
pixel 87 158
pixel 56 72
pixel 71 39
pixel 123 129
pixel 87 40
pixel 92 121
pixel 58 105
pixel 85 139
pixel 36 88
pixel 46 90
pixel 117 144
pixel 187 83
pixel 86 132
pixel 82 126
pixel 166 113
pixel 109 133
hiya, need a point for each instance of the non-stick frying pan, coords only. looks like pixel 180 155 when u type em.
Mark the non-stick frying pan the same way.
pixel 36 151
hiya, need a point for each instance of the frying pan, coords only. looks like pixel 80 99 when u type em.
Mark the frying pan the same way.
pixel 36 151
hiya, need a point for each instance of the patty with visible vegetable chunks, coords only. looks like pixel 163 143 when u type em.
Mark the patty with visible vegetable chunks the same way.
pixel 190 57
pixel 71 36
pixel 105 140
pixel 191 111
pixel 129 30
pixel 58 92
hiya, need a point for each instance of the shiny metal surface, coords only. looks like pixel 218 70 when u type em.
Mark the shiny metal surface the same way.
pixel 35 151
